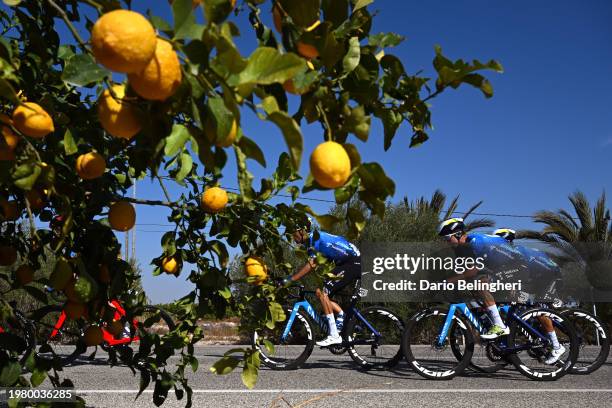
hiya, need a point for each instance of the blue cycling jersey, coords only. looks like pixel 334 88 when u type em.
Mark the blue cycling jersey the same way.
pixel 498 253
pixel 538 262
pixel 333 247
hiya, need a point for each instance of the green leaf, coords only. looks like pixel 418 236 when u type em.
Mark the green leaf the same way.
pixel 176 140
pixel 7 91
pixel 217 10
pixel 70 146
pixel 292 134
pixel 252 150
pixel 245 178
pixel 220 120
pixel 374 179
pixel 351 59
pixel 186 165
pixel 267 66
pixel 357 222
pixel 384 40
pixel 250 370
pixel 9 373
pixel 357 122
pixel 361 3
pixel 185 25
pixel 38 376
pixel 82 70
pixel 25 175
pixel 344 193
pixel 225 365
pixel 326 221
pixel 12 3
pixel 391 121
pixel 277 312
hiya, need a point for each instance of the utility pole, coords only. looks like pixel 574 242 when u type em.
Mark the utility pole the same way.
pixel 134 229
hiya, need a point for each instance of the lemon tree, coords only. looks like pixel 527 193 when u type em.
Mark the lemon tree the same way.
pixel 129 95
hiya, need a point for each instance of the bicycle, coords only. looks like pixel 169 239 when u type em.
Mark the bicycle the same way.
pixel 61 337
pixel 593 339
pixel 435 329
pixel 371 336
pixel 17 334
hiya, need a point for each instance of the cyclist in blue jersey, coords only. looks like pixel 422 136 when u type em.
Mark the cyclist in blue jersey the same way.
pixel 347 260
pixel 499 258
pixel 542 271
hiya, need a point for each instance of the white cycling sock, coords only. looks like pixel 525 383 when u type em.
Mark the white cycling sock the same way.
pixel 553 338
pixel 494 313
pixel 331 321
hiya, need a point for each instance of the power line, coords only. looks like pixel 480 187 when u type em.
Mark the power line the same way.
pixel 334 202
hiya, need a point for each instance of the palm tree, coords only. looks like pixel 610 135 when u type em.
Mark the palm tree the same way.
pixel 585 238
pixel 411 221
pixel 436 205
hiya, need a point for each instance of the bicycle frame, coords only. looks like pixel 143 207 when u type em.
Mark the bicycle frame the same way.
pixel 321 322
pixel 464 309
pixel 108 337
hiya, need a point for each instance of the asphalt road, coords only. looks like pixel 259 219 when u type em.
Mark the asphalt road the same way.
pixel 332 381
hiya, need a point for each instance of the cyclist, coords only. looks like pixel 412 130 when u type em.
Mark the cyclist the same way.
pixel 541 272
pixel 347 260
pixel 498 256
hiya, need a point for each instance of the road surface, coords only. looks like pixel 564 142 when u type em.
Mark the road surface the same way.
pixel 332 381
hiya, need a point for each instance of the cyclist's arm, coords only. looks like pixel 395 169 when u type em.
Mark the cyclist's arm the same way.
pixel 304 270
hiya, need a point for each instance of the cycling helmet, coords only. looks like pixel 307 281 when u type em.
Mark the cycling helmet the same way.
pixel 506 233
pixel 452 226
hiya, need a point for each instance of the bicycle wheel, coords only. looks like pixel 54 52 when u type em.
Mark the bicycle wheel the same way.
pixel 58 341
pixel 17 335
pixel 485 358
pixel 421 349
pixel 375 341
pixel 290 353
pixel 529 361
pixel 593 340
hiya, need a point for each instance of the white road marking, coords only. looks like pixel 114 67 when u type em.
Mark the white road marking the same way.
pixel 371 391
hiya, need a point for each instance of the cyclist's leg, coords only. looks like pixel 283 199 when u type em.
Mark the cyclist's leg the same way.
pixel 347 273
pixel 557 349
pixel 499 328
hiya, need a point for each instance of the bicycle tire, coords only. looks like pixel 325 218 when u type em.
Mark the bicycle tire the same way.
pixel 414 343
pixel 22 328
pixel 599 327
pixel 561 368
pixel 393 328
pixel 278 363
pixel 58 347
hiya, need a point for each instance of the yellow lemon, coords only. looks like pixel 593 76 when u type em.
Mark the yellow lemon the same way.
pixel 90 165
pixel 171 265
pixel 10 138
pixel 255 267
pixel 330 165
pixel 115 327
pixel 118 117
pixel 93 336
pixel 32 120
pixel 214 199
pixel 122 216
pixel 123 41
pixel 161 77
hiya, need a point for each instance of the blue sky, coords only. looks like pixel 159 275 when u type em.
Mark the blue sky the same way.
pixel 545 133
